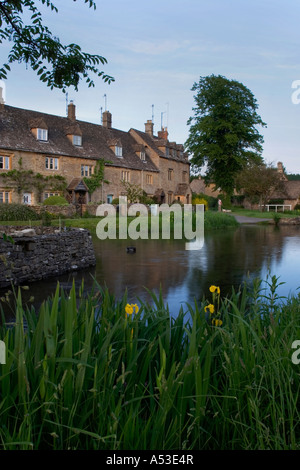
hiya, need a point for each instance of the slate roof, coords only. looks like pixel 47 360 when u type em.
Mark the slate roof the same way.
pixel 291 190
pixel 16 134
pixel 77 184
pixel 154 143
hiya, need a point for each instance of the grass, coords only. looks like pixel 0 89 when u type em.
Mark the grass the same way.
pixel 264 214
pixel 212 221
pixel 82 374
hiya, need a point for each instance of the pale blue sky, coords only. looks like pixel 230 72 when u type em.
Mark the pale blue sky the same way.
pixel 157 49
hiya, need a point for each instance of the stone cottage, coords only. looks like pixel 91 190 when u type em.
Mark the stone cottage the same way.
pixel 65 146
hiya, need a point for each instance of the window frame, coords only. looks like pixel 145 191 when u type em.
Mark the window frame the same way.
pixel 118 151
pixel 86 171
pixel 170 174
pixel 42 134
pixel 52 161
pixel 77 140
pixel 149 178
pixel 5 197
pixel 5 159
pixel 125 176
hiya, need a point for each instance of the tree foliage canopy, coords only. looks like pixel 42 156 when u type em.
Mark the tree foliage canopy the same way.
pixel 259 181
pixel 56 64
pixel 222 132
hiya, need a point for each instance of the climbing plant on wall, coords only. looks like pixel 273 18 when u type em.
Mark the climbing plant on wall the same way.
pixel 97 178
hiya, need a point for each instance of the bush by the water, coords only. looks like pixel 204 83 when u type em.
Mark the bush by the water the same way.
pixel 92 372
pixel 219 220
pixel 55 201
pixel 17 212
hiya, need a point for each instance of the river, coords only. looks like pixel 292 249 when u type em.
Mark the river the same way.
pixel 227 259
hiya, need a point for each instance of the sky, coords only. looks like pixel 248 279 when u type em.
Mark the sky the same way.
pixel 156 50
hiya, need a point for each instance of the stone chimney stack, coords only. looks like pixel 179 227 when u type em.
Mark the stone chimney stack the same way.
pixel 107 119
pixel 72 111
pixel 149 127
pixel 163 133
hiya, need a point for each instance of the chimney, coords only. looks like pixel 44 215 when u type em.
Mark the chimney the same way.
pixel 163 133
pixel 71 111
pixel 149 127
pixel 106 119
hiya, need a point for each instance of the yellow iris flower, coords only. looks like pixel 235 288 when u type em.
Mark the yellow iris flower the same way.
pixel 214 289
pixel 217 322
pixel 210 307
pixel 130 308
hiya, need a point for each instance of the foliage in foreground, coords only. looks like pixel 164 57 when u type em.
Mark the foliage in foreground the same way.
pixel 91 372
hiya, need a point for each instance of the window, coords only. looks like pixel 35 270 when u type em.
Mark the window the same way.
pixel 125 175
pixel 42 134
pixel 167 151
pixel 86 170
pixel 4 163
pixel 170 198
pixel 149 179
pixel 109 198
pixel 4 197
pixel 170 174
pixel 51 163
pixel 77 140
pixel 46 195
pixel 174 153
pixel 143 155
pixel 184 176
pixel 118 151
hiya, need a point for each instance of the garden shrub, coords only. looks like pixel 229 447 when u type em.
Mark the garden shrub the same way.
pixel 17 212
pixel 56 201
pixel 200 200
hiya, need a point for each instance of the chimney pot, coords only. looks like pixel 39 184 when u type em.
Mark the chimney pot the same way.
pixel 163 134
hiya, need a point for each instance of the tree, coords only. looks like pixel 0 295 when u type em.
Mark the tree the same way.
pixel 258 182
pixel 222 131
pixel 134 192
pixel 58 65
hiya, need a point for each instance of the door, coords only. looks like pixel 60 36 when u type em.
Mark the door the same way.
pixel 27 198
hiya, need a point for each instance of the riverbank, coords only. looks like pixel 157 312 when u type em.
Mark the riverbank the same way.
pixel 212 221
pixel 90 372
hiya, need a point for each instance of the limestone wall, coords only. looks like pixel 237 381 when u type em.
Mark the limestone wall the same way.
pixel 33 256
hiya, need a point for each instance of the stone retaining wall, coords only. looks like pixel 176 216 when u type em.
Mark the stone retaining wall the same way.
pixel 66 211
pixel 34 257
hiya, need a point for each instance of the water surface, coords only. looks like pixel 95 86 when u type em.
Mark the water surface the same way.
pixel 227 259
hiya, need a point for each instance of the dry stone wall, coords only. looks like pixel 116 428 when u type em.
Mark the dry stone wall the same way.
pixel 33 256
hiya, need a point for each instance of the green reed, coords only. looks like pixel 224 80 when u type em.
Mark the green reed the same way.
pixel 81 373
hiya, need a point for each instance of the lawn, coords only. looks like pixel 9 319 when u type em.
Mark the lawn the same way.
pixel 263 214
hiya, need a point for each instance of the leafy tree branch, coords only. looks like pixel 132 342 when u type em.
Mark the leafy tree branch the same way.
pixel 57 65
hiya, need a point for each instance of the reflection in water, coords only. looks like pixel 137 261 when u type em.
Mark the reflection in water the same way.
pixel 226 260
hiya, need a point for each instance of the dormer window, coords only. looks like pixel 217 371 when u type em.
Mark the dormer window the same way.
pixel 118 151
pixel 143 155
pixel 42 134
pixel 77 140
